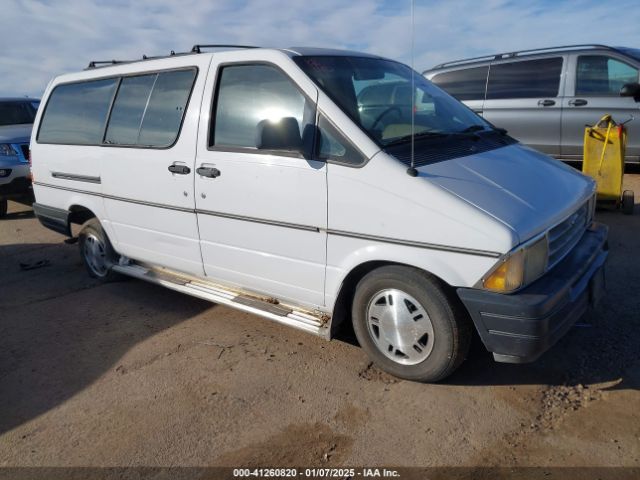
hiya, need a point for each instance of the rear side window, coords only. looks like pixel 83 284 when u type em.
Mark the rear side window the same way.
pixel 527 79
pixel 128 110
pixel 465 84
pixel 148 109
pixel 77 113
pixel 601 75
pixel 250 94
pixel 167 104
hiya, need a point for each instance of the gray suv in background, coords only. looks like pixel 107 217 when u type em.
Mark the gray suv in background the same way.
pixel 545 97
pixel 16 121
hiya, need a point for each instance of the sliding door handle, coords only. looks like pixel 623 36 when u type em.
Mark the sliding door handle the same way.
pixel 209 172
pixel 179 169
pixel 578 102
pixel 546 103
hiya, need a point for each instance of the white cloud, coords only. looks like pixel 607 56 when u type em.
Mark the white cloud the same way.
pixel 43 38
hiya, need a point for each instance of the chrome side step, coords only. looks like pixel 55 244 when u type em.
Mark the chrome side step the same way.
pixel 310 322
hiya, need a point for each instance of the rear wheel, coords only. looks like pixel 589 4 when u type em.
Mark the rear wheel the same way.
pixel 4 206
pixel 409 325
pixel 97 253
pixel 627 202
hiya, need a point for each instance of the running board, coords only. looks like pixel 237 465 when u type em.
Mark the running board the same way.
pixel 311 322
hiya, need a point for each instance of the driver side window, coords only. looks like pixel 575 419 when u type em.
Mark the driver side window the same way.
pixel 601 75
pixel 250 96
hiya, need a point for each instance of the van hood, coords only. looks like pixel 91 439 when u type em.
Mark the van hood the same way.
pixel 522 188
pixel 15 133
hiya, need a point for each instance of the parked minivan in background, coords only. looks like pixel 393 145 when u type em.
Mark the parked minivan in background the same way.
pixel 16 121
pixel 289 183
pixel 545 97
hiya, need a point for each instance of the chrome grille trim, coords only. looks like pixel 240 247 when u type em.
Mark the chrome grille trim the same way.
pixel 564 236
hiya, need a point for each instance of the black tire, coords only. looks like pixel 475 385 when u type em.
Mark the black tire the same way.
pixel 97 252
pixel 627 202
pixel 4 206
pixel 451 325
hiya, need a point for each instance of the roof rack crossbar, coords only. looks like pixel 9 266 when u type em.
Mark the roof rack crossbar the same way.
pixel 198 48
pixel 500 56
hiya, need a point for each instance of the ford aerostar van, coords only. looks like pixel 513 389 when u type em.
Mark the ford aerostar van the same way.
pixel 316 187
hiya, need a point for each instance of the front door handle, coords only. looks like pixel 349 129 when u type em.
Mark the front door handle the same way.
pixel 546 103
pixel 578 102
pixel 208 172
pixel 179 169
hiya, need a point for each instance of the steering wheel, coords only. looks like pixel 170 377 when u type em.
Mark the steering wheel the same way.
pixel 387 110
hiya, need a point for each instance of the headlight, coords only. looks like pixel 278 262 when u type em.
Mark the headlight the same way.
pixel 522 266
pixel 7 150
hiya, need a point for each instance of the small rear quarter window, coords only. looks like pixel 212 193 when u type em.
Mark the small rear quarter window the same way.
pixel 76 113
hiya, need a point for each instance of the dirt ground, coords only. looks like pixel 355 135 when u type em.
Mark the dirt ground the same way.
pixel 131 374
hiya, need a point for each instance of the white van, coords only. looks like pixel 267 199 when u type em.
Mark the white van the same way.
pixel 279 182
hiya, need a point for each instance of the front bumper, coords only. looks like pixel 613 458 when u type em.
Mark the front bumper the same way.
pixel 520 327
pixel 17 182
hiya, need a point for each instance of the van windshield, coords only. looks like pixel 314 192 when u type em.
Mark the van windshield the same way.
pixel 377 95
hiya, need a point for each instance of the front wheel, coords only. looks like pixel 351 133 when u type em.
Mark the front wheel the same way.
pixel 409 324
pixel 97 253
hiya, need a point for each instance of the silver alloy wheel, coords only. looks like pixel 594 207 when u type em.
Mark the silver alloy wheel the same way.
pixel 400 326
pixel 94 251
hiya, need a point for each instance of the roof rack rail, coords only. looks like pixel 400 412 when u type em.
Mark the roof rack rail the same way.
pixel 198 48
pixel 500 56
pixel 110 63
pixel 194 49
pixel 103 63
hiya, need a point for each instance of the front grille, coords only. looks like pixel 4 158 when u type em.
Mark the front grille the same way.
pixel 564 236
pixel 25 150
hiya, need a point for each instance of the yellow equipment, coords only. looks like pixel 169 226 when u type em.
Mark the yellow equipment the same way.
pixel 604 149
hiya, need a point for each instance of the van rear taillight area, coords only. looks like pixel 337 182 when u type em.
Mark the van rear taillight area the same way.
pixel 28 155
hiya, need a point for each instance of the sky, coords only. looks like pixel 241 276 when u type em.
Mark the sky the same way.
pixel 44 38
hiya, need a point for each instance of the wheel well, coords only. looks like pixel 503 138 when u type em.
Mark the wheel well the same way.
pixel 342 307
pixel 79 214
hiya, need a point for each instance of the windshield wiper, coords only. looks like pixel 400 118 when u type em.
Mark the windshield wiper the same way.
pixel 472 128
pixel 501 131
pixel 488 128
pixel 473 131
pixel 407 138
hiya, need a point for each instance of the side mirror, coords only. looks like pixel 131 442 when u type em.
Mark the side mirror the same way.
pixel 283 134
pixel 631 90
